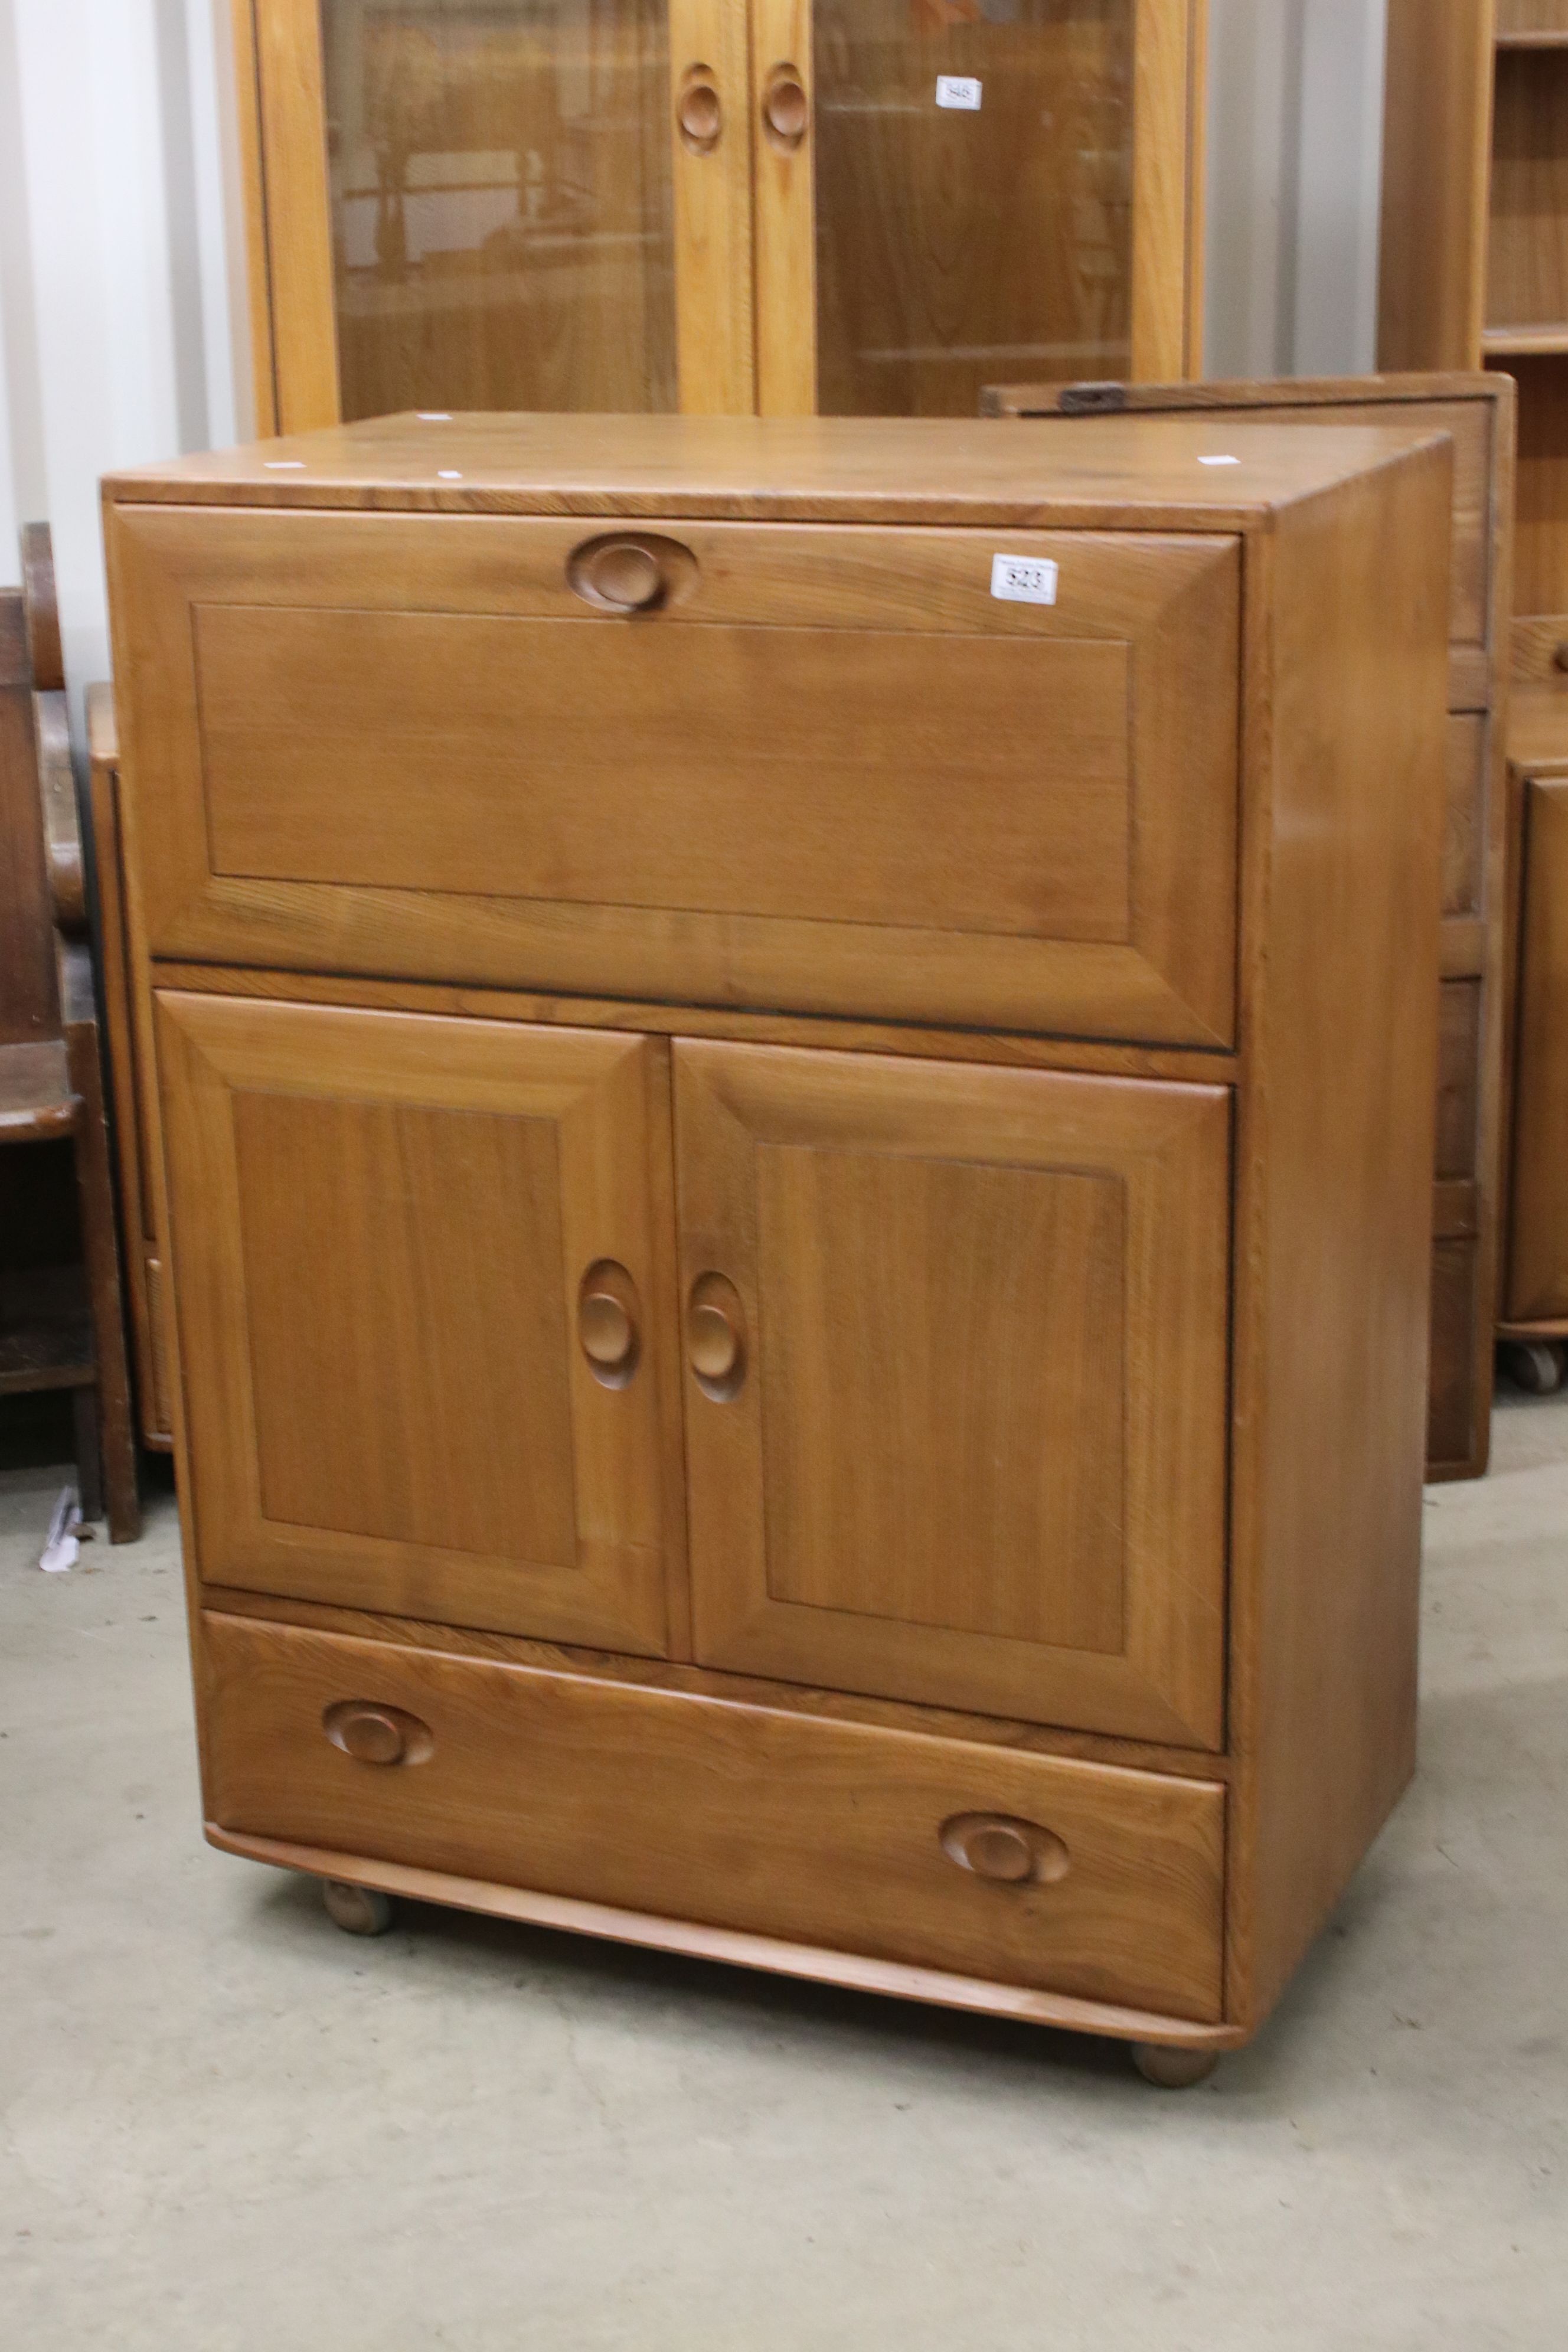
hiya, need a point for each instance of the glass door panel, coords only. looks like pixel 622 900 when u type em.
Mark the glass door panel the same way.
pixel 973 198
pixel 502 219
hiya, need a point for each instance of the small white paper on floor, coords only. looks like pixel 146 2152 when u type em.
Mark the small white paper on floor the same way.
pixel 61 1549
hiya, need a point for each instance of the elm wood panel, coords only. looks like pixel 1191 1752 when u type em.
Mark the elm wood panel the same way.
pixel 1518 20
pixel 990 1045
pixel 1537 1288
pixel 380 1224
pixel 571 302
pixel 1074 474
pixel 1169 110
pixel 784 175
pixel 799 773
pixel 931 1528
pixel 673 1674
pixel 1527 260
pixel 1174 601
pixel 1348 729
pixel 819 1833
pixel 243 60
pixel 1458 1301
pixel 715 340
pixel 814 1964
pixel 1476 410
pixel 293 142
pixel 130 1105
pixel 844 1579
pixel 1438 129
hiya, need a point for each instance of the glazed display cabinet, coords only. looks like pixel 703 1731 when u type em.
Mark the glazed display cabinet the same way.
pixel 851 206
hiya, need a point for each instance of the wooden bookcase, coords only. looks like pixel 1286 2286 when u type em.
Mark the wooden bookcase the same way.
pixel 860 206
pixel 1474 273
pixel 1475 247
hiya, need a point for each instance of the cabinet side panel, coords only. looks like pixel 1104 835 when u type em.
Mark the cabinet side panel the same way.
pixel 1340 977
pixel 1435 172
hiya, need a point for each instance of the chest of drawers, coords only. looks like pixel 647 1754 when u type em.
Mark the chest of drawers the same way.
pixel 798 1081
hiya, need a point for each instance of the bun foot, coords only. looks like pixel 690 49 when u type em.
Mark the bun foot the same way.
pixel 1534 1365
pixel 357 1910
pixel 1173 2070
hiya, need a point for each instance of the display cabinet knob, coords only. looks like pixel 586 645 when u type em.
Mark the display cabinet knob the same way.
pixel 607 1331
pixel 714 1342
pixel 698 111
pixel 786 109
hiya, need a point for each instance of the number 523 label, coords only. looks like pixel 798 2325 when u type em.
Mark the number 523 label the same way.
pixel 1023 579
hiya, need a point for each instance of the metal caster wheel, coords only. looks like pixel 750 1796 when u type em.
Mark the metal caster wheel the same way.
pixel 1534 1365
pixel 357 1910
pixel 1173 2070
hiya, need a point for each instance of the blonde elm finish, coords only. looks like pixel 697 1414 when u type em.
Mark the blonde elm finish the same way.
pixel 1230 1710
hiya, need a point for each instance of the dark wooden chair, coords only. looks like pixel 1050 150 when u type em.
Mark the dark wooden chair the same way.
pixel 61 1324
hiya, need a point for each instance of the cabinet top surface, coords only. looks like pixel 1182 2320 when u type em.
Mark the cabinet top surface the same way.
pixel 1181 472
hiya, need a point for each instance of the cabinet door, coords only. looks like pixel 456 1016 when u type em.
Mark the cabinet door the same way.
pixel 500 204
pixel 954 192
pixel 956 1387
pixel 417 1276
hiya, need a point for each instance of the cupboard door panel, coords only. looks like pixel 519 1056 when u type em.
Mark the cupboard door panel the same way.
pixel 956 1382
pixel 387 1231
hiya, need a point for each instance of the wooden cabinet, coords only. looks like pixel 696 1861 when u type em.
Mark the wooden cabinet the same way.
pixel 715 205
pixel 1477 410
pixel 798 1091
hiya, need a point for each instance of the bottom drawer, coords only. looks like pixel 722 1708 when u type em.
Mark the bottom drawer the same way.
pixel 1025 1869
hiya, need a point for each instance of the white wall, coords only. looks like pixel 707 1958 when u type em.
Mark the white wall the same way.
pixel 121 316
pixel 117 327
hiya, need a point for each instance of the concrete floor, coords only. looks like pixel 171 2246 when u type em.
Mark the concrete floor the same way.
pixel 228 2128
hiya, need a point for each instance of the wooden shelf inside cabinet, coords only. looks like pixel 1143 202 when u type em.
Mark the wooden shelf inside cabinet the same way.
pixel 1524 342
pixel 1532 40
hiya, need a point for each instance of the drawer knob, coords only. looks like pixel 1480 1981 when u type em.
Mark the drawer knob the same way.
pixel 698 112
pixel 1011 1853
pixel 607 1321
pixel 373 1734
pixel 624 576
pixel 786 107
pixel 716 1337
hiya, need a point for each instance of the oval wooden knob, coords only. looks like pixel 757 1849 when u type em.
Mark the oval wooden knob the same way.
pixel 714 1343
pixel 625 576
pixel 371 1735
pixel 786 107
pixel 608 1333
pixel 1011 1853
pixel 699 113
pixel 1000 1850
